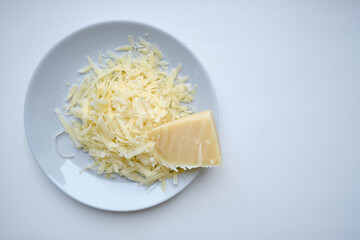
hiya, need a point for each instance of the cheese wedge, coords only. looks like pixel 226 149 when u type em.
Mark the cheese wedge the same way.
pixel 189 142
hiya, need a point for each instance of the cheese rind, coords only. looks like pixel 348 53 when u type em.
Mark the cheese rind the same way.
pixel 189 142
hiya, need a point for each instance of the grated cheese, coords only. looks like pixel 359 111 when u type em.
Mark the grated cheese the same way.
pixel 118 103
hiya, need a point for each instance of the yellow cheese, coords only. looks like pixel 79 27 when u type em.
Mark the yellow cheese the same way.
pixel 189 142
pixel 118 103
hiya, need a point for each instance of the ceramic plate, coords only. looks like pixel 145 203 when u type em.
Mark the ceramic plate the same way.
pixel 47 91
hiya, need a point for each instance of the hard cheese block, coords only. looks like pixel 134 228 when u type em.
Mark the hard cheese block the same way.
pixel 188 142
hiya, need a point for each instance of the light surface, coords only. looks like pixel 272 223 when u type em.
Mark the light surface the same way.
pixel 286 76
pixel 47 91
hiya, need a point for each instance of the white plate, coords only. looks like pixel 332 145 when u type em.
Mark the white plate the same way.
pixel 47 91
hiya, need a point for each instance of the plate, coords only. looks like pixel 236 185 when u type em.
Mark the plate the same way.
pixel 47 91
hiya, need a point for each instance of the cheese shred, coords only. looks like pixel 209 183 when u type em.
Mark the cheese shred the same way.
pixel 57 148
pixel 120 100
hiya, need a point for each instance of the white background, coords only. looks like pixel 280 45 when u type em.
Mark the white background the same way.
pixel 287 79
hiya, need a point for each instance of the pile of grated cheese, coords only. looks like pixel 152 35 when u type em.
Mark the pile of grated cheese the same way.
pixel 118 103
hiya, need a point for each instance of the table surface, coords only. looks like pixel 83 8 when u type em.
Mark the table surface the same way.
pixel 287 80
